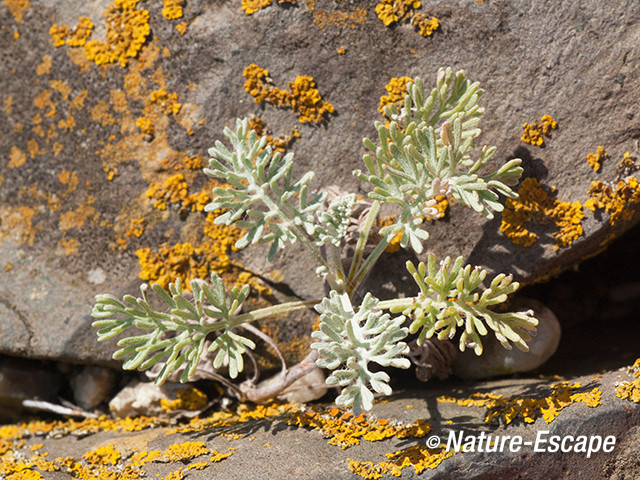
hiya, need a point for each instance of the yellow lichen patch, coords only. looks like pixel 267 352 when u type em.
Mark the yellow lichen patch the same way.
pixel 70 246
pixel 323 19
pixel 535 205
pixel 396 91
pixel 77 217
pixel 80 34
pixel 278 144
pixel 425 26
pixel 172 9
pixel 391 11
pixel 252 6
pixel 44 67
pixel 185 262
pixel 62 87
pixel 168 102
pixel 103 455
pixel 345 430
pixel 594 159
pixel 528 409
pixel 626 166
pixel 17 8
pixel 630 390
pixel 303 97
pixel 18 222
pixel 182 27
pixel 43 101
pixel 188 399
pixel 419 457
pixel 533 133
pixel 616 202
pixel 176 190
pixel 127 30
pixel 145 125
pixel 16 157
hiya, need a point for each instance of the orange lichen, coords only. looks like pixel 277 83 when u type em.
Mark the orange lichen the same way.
pixel 172 9
pixel 396 91
pixel 43 67
pixel 594 159
pixel 77 217
pixel 424 25
pixel 79 35
pixel 17 157
pixel 278 144
pixel 17 8
pixel 533 133
pixel 145 125
pixel 630 390
pixel 535 205
pixel 419 457
pixel 252 6
pixel 323 19
pixel 616 201
pixel 528 408
pixel 168 102
pixel 127 31
pixel 303 98
pixel 626 166
pixel 176 190
pixel 391 11
pixel 182 27
pixel 345 430
pixel 188 399
pixel 103 455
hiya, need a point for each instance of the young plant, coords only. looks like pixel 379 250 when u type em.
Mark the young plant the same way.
pixel 424 151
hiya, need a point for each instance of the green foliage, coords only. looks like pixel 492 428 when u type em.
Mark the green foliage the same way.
pixel 450 297
pixel 348 341
pixel 411 164
pixel 258 177
pixel 176 338
pixel 425 151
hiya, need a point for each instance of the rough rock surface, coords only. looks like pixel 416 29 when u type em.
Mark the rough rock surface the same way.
pixel 269 442
pixel 76 170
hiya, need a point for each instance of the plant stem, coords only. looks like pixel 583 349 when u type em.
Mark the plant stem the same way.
pixel 273 310
pixel 361 245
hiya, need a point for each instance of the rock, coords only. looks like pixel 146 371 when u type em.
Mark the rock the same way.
pixel 25 380
pixel 144 398
pixel 497 360
pixel 308 388
pixel 90 153
pixel 92 386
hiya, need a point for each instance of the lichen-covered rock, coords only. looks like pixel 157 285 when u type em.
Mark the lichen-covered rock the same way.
pixel 107 110
pixel 496 360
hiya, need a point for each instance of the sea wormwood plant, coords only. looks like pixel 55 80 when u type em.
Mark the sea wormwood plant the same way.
pixel 423 152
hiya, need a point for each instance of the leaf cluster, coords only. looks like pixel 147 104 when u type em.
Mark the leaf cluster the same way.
pixel 177 336
pixel 349 341
pixel 261 193
pixel 451 298
pixel 427 144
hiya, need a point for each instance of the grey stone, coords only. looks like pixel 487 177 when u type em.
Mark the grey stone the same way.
pixel 577 63
pixel 92 385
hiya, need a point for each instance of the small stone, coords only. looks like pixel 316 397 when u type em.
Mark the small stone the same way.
pixel 140 398
pixel 92 385
pixel 497 360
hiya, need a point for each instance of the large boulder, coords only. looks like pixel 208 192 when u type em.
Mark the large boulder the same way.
pixel 108 110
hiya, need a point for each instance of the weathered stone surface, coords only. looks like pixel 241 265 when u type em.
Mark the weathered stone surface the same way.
pixel 266 444
pixel 75 169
